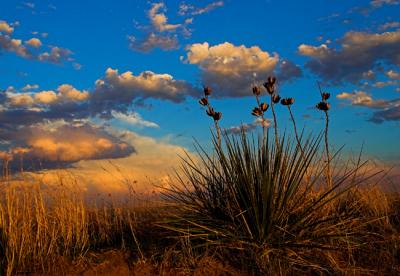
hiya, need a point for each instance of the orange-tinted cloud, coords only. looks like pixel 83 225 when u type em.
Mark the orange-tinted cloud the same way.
pixel 34 42
pixel 31 48
pixel 65 94
pixel 160 33
pixel 59 143
pixel 5 27
pixel 231 69
pixel 149 169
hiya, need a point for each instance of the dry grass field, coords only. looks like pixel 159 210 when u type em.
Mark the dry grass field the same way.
pixel 224 216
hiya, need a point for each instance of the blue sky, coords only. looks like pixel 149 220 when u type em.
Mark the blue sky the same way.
pixel 88 71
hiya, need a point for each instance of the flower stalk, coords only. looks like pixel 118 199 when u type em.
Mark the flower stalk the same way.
pixel 325 106
pixel 211 112
pixel 288 102
pixel 260 109
pixel 270 87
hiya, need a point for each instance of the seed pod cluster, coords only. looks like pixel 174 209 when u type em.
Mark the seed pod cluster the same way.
pixel 256 91
pixel 257 112
pixel 270 85
pixel 325 96
pixel 276 98
pixel 205 102
pixel 324 105
pixel 287 101
pixel 262 107
pixel 207 91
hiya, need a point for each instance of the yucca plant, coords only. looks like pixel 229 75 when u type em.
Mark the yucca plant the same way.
pixel 254 195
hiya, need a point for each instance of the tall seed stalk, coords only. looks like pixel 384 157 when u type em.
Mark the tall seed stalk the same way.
pixel 275 121
pixel 288 103
pixel 270 87
pixel 295 130
pixel 260 109
pixel 210 112
pixel 324 106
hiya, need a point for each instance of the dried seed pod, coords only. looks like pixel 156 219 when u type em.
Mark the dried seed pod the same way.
pixel 256 90
pixel 210 112
pixel 324 106
pixel 203 101
pixel 270 87
pixel 276 98
pixel 256 112
pixel 217 116
pixel 287 101
pixel 207 90
pixel 264 106
pixel 271 80
pixel 325 96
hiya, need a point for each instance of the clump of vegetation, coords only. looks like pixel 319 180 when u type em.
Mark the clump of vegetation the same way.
pixel 269 201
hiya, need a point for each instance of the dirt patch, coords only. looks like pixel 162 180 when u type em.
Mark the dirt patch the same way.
pixel 108 263
pixel 119 263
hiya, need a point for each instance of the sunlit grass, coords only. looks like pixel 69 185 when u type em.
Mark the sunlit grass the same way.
pixel 41 223
pixel 245 210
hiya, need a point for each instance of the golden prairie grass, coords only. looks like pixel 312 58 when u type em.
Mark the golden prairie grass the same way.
pixel 41 226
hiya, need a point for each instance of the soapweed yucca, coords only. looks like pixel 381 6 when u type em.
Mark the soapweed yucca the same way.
pixel 254 194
